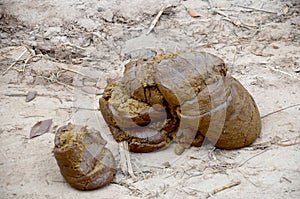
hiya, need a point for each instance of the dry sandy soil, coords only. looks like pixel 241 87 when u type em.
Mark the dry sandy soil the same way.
pixel 66 50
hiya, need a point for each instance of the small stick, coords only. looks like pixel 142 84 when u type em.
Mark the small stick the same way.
pixel 288 144
pixel 14 62
pixel 72 70
pixel 154 22
pixel 26 62
pixel 217 190
pixel 235 22
pixel 262 117
pixel 283 72
pixel 256 9
pixel 132 188
pixel 30 56
pixel 72 45
pixel 15 95
pixel 66 85
pixel 282 143
pixel 234 58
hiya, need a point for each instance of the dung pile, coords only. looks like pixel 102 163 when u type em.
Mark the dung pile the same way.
pixel 184 97
pixel 82 157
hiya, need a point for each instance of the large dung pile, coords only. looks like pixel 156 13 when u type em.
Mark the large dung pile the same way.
pixel 183 97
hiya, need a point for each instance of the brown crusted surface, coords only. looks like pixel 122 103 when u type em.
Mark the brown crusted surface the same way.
pixel 192 91
pixel 82 158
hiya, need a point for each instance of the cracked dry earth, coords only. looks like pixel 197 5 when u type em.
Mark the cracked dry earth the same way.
pixel 67 50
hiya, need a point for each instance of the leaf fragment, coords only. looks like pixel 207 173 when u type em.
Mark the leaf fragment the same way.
pixel 40 128
pixel 193 13
pixel 30 96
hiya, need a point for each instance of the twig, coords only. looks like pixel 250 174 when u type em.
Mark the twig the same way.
pixel 262 117
pixel 261 54
pixel 14 62
pixel 284 178
pixel 30 56
pixel 26 62
pixel 58 82
pixel 132 188
pixel 256 9
pixel 15 95
pixel 64 84
pixel 283 72
pixel 235 22
pixel 234 58
pixel 59 181
pixel 154 22
pixel 140 171
pixel 247 178
pixel 217 190
pixel 288 144
pixel 72 45
pixel 282 143
pixel 71 70
pixel 241 164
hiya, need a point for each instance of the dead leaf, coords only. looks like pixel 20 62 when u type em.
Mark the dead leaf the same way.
pixel 30 96
pixel 40 128
pixel 193 13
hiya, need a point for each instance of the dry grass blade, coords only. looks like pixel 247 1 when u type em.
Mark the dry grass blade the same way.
pixel 283 72
pixel 262 117
pixel 21 55
pixel 256 9
pixel 72 70
pixel 289 142
pixel 232 20
pixel 241 164
pixel 125 160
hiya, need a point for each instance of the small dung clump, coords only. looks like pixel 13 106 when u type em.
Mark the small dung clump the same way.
pixel 185 97
pixel 82 157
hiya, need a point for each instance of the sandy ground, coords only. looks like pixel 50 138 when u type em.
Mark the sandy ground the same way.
pixel 66 50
